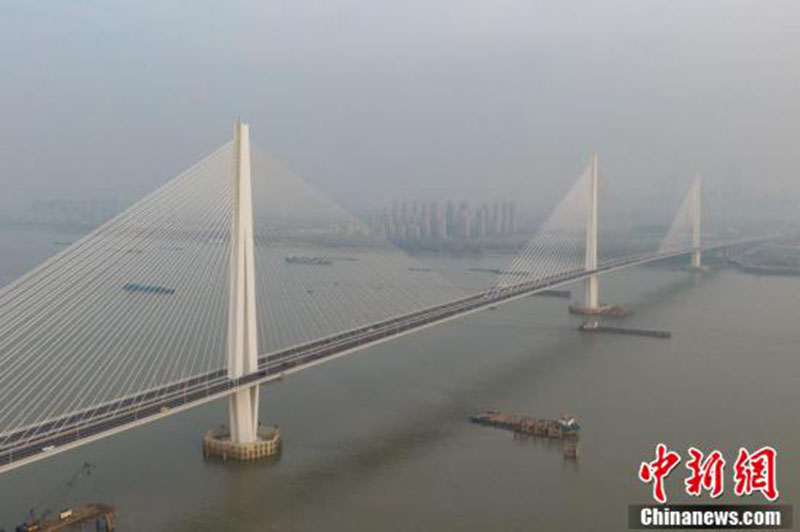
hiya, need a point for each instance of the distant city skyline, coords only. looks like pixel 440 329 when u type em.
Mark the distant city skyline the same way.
pixel 511 99
pixel 427 220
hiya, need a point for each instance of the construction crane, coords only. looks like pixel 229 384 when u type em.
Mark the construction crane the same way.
pixel 58 498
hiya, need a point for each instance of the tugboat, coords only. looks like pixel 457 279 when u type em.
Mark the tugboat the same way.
pixel 568 423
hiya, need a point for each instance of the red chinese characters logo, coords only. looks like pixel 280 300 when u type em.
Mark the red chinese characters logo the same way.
pixel 657 470
pixel 756 472
pixel 706 473
pixel 752 472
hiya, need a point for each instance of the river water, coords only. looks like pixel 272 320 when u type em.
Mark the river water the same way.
pixel 380 440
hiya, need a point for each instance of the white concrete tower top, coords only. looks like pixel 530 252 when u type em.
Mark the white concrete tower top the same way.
pixel 591 217
pixel 242 331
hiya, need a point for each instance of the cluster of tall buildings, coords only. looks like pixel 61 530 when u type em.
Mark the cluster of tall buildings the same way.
pixel 428 220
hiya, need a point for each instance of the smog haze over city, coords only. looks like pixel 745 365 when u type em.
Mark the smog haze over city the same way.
pixel 374 101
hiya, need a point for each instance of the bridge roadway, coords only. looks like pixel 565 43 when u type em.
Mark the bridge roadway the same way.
pixel 37 441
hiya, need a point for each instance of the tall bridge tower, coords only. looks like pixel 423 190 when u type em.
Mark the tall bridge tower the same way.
pixel 696 201
pixel 244 439
pixel 591 289
pixel 242 332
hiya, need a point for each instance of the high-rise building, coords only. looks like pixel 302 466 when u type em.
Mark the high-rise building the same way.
pixel 396 219
pixel 425 225
pixel 450 218
pixel 388 224
pixel 426 220
pixel 464 218
pixel 479 223
pixel 438 222
pixel 413 232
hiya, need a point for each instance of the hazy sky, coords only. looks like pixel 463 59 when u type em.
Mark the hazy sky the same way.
pixel 372 100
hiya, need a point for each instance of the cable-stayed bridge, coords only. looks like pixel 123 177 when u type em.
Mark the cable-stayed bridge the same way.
pixel 203 290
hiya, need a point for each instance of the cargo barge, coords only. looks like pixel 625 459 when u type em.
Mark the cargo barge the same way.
pixel 498 271
pixel 596 327
pixel 565 294
pixel 93 516
pixel 614 311
pixel 565 427
pixel 313 261
pixel 148 289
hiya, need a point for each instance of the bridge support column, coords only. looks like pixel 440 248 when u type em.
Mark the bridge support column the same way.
pixel 242 333
pixel 591 288
pixel 244 438
pixel 696 200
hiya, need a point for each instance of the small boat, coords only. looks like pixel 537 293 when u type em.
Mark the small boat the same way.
pixel 590 325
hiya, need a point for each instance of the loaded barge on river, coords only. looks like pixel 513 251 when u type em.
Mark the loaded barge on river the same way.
pixel 594 326
pixel 613 311
pixel 565 427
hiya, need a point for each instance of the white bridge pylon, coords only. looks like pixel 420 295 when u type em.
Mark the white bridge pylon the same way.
pixel 684 233
pixel 696 199
pixel 566 241
pixel 569 240
pixel 242 323
pixel 591 288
